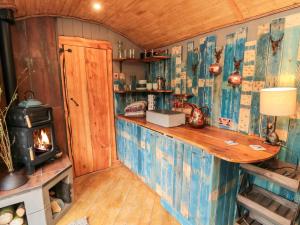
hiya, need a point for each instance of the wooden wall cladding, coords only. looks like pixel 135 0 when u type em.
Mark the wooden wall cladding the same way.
pixel 153 24
pixel 35 48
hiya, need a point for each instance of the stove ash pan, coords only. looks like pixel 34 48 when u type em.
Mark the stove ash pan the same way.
pixel 32 133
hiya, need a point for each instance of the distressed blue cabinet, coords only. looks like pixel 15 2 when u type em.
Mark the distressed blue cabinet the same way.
pixel 195 187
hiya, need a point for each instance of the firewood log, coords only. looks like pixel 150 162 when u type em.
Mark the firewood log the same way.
pixel 6 215
pixel 17 221
pixel 57 205
pixel 20 211
pixel 52 193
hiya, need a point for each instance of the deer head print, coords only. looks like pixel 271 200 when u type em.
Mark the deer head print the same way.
pixel 275 43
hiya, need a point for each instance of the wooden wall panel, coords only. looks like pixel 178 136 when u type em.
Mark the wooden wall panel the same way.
pixel 35 48
pixel 99 98
pixel 261 68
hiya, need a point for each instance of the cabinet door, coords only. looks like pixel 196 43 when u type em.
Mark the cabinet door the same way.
pixel 150 159
pixel 186 181
pixel 178 175
pixel 195 185
pixel 142 153
pixel 167 168
pixel 120 140
pixel 200 187
pixel 127 144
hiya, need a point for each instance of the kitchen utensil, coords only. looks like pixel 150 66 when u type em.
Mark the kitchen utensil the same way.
pixel 29 100
pixel 149 86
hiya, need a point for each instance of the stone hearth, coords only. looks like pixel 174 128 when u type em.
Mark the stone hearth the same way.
pixel 35 193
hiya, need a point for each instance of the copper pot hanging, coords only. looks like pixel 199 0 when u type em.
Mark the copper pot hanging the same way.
pixel 216 67
pixel 235 78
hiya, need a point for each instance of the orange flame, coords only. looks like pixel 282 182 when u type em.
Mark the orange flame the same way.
pixel 44 141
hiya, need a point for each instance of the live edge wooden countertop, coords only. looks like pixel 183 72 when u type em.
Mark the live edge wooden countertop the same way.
pixel 212 140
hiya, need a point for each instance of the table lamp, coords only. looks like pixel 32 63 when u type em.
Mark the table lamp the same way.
pixel 279 101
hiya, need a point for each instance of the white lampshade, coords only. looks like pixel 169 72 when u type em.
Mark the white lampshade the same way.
pixel 278 101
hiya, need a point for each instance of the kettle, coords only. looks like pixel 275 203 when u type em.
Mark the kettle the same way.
pixel 197 118
pixel 30 101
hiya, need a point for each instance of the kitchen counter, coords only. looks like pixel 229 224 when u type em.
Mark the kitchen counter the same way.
pixel 212 140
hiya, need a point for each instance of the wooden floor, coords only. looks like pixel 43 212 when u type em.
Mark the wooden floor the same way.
pixel 116 197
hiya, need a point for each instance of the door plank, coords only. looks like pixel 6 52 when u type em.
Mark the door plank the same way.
pixel 99 115
pixel 76 86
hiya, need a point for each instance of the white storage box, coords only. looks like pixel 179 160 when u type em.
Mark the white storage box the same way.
pixel 165 118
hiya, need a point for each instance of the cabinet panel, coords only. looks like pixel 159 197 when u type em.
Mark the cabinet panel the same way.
pixel 150 158
pixel 178 175
pixel 167 168
pixel 120 140
pixel 186 179
pixel 195 187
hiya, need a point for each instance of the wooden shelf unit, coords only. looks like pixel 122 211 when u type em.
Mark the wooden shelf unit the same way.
pixel 155 58
pixel 183 95
pixel 246 220
pixel 137 60
pixel 282 173
pixel 268 207
pixel 130 60
pixel 144 91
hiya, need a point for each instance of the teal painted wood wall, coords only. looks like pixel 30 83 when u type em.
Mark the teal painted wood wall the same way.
pixel 260 68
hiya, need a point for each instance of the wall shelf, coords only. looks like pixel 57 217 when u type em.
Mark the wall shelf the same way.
pixel 137 60
pixel 155 58
pixel 282 173
pixel 145 91
pixel 130 60
pixel 184 96
pixel 270 207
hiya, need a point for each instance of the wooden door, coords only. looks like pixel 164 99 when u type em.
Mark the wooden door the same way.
pixel 87 82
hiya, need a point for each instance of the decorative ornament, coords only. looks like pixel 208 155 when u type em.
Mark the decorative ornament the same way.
pixel 216 67
pixel 197 118
pixel 235 78
pixel 276 44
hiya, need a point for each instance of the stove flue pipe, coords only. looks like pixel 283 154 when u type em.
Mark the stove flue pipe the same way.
pixel 6 53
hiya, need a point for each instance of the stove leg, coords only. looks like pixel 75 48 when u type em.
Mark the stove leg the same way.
pixel 30 169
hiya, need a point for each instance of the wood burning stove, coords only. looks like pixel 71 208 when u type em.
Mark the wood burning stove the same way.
pixel 32 133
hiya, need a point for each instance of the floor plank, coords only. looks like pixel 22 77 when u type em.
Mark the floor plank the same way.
pixel 116 197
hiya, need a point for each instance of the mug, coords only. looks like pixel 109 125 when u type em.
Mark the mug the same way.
pixel 149 86
pixel 155 86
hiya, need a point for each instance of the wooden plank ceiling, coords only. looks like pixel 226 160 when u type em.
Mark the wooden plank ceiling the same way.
pixel 156 23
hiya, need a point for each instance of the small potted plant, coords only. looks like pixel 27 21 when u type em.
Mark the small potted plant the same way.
pixel 11 179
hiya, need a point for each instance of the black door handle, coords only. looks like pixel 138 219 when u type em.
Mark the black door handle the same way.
pixel 72 99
